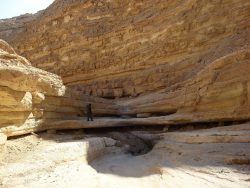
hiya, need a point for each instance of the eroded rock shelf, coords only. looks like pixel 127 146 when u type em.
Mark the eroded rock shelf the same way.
pixel 168 82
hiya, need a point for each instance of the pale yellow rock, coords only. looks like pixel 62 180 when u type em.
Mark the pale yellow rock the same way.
pixel 181 62
pixel 3 139
pixel 31 96
pixel 21 76
pixel 155 63
pixel 96 162
pixel 38 97
pixel 4 46
pixel 150 46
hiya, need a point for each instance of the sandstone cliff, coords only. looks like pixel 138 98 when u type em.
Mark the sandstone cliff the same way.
pixel 151 62
pixel 220 91
pixel 164 62
pixel 32 99
pixel 125 48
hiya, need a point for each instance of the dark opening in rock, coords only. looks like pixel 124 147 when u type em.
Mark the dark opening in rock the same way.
pixel 133 144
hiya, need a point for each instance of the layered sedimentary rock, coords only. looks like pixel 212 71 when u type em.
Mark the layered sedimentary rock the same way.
pixel 127 48
pixel 32 98
pixel 220 91
pixel 15 25
pixel 161 62
pixel 183 61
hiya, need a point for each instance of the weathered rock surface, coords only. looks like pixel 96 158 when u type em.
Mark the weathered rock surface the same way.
pixel 179 62
pixel 184 58
pixel 201 158
pixel 124 48
pixel 31 96
pixel 161 62
pixel 220 91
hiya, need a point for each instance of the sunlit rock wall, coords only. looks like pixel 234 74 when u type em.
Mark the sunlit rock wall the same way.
pixel 124 48
pixel 32 99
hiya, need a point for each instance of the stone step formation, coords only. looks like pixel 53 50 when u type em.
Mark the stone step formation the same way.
pixel 34 100
pixel 178 65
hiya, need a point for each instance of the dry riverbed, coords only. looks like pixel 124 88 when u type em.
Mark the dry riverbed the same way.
pixel 76 159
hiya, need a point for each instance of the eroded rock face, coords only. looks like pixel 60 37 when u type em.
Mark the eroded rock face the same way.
pixel 17 73
pixel 32 98
pixel 124 48
pixel 220 91
pixel 22 89
pixel 183 61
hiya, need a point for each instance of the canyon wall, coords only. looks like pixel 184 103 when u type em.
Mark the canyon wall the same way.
pixel 125 48
pixel 219 92
pixel 34 100
pixel 164 62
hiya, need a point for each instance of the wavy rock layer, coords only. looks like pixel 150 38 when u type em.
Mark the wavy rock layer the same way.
pixel 184 61
pixel 124 48
pixel 220 91
pixel 31 97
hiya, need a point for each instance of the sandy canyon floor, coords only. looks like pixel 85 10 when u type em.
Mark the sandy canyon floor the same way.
pixel 212 157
